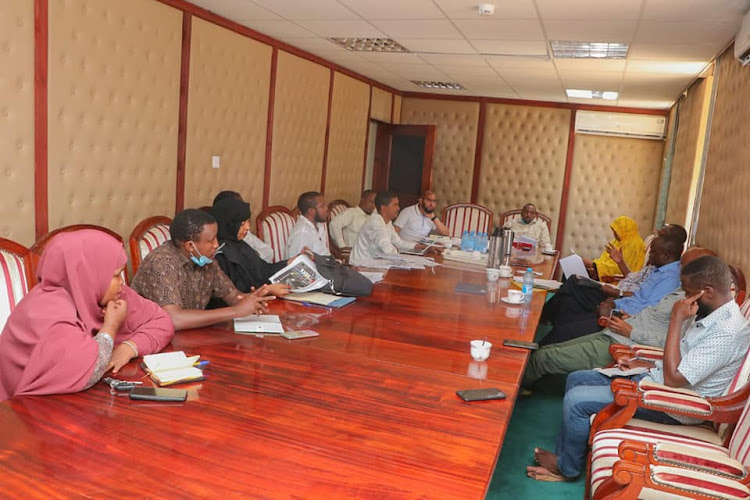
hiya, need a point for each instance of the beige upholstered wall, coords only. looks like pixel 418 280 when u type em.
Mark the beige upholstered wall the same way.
pixel 397 103
pixel 722 223
pixel 610 176
pixel 381 105
pixel 346 139
pixel 114 75
pixel 683 163
pixel 523 159
pixel 453 163
pixel 227 108
pixel 17 121
pixel 299 127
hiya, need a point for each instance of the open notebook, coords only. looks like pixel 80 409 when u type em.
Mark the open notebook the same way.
pixel 169 368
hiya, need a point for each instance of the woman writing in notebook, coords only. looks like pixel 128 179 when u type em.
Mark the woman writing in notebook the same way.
pixel 79 321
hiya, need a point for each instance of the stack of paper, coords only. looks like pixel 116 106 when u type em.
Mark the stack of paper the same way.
pixel 263 323
pixel 168 368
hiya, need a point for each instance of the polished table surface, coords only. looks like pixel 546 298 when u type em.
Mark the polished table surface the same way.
pixel 366 410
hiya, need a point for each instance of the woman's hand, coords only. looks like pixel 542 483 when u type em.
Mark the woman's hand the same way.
pixel 614 252
pixel 114 316
pixel 121 356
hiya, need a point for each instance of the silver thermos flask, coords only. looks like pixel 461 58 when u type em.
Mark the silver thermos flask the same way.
pixel 508 236
pixel 495 253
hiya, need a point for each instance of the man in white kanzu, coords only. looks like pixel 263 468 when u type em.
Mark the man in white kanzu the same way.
pixel 310 229
pixel 345 226
pixel 417 221
pixel 532 226
pixel 377 236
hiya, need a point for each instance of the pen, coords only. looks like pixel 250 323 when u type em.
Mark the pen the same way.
pixel 201 364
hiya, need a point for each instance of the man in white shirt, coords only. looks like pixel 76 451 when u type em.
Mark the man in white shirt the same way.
pixel 377 237
pixel 310 229
pixel 345 226
pixel 531 226
pixel 417 221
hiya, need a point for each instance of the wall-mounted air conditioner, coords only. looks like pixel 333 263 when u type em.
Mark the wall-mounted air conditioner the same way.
pixel 742 41
pixel 621 124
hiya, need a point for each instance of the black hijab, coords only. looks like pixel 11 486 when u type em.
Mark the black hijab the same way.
pixel 230 213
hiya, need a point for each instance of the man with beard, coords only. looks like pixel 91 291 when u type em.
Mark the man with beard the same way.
pixel 417 221
pixel 531 226
pixel 310 229
pixel 345 226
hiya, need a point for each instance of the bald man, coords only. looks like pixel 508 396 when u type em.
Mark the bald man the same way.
pixel 417 221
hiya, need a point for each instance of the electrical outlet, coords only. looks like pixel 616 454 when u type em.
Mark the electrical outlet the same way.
pixel 215 161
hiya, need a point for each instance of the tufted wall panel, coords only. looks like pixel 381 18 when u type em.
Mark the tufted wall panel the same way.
pixel 114 75
pixel 227 107
pixel 610 176
pixel 722 224
pixel 346 140
pixel 381 105
pixel 683 162
pixel 299 128
pixel 397 103
pixel 523 159
pixel 455 143
pixel 17 121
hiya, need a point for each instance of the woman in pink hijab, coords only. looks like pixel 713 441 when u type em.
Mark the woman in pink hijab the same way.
pixel 79 321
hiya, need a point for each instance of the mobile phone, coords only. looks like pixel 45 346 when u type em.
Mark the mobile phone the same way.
pixel 301 334
pixel 533 346
pixel 616 314
pixel 158 394
pixel 480 394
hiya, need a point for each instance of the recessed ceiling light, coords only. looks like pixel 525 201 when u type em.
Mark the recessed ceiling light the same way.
pixel 370 44
pixel 562 49
pixel 592 94
pixel 438 85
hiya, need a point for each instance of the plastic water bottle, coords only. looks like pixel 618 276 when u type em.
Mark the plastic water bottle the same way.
pixel 528 284
pixel 485 242
pixel 465 240
pixel 470 241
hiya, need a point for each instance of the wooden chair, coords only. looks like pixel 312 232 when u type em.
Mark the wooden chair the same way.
pixel 295 213
pixel 466 217
pixel 147 235
pixel 14 280
pixel 516 213
pixel 336 207
pixel 35 252
pixel 739 285
pixel 273 225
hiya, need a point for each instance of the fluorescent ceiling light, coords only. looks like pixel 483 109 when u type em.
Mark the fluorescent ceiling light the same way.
pixel 370 44
pixel 562 49
pixel 592 94
pixel 438 85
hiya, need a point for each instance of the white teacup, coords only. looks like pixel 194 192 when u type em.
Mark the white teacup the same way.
pixel 480 349
pixel 505 271
pixel 493 274
pixel 549 248
pixel 515 296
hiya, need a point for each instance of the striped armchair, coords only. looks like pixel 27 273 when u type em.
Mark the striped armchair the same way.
pixel 273 225
pixel 147 235
pixel 336 207
pixel 516 213
pixel 466 217
pixel 13 277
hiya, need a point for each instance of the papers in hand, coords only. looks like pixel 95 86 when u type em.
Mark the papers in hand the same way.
pixel 573 265
pixel 168 368
pixel 264 323
pixel 301 275
pixel 616 371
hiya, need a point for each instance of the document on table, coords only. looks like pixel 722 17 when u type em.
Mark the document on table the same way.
pixel 263 323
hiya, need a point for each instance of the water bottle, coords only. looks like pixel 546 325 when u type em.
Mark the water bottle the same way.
pixel 481 243
pixel 485 242
pixel 470 241
pixel 528 284
pixel 465 240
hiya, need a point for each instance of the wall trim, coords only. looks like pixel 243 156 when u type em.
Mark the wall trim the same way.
pixel 187 34
pixel 269 127
pixel 566 182
pixel 393 105
pixel 367 138
pixel 478 152
pixel 41 98
pixel 328 134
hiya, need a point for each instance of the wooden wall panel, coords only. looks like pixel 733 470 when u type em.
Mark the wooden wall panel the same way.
pixel 381 105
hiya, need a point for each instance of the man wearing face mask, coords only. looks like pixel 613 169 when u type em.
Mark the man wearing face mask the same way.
pixel 417 221
pixel 182 277
pixel 707 341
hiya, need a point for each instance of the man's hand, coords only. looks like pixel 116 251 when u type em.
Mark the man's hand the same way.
pixel 686 308
pixel 252 303
pixel 606 307
pixel 614 252
pixel 278 289
pixel 121 356
pixel 610 291
pixel 617 325
pixel 628 364
pixel 114 316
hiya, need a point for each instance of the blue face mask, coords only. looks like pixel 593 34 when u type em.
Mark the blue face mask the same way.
pixel 201 260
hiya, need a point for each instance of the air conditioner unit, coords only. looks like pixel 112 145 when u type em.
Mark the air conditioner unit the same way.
pixel 742 41
pixel 621 124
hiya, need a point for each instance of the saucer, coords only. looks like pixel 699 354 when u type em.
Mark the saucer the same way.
pixel 549 252
pixel 506 275
pixel 505 299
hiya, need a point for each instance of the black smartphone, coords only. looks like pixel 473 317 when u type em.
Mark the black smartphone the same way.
pixel 480 394
pixel 616 313
pixel 158 394
pixel 533 346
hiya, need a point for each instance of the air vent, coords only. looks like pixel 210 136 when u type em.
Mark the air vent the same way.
pixel 370 44
pixel 438 85
pixel 592 50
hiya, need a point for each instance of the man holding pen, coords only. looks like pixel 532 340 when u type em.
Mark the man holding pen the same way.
pixel 706 342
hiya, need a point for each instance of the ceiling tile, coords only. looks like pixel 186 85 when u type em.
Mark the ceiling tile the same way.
pixel 339 29
pixel 403 30
pixel 237 9
pixel 439 46
pixel 312 43
pixel 454 60
pixel 542 95
pixel 391 57
pixel 673 52
pixel 309 11
pixel 278 28
pixel 586 65
pixel 394 9
pixel 587 31
pixel 467 9
pixel 685 32
pixel 511 47
pixel 591 80
pixel 690 68
pixel 467 70
pixel 487 29
pixel 415 71
pixel 521 63
pixel 691 10
pixel 589 10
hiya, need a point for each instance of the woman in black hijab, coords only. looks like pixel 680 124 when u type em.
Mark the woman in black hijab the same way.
pixel 236 258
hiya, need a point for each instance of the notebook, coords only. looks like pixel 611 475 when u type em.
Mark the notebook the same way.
pixel 320 299
pixel 169 368
pixel 264 323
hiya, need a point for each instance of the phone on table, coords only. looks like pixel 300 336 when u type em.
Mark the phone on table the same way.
pixel 300 334
pixel 533 346
pixel 158 394
pixel 616 313
pixel 480 394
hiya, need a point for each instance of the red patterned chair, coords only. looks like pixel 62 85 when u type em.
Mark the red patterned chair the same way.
pixel 466 217
pixel 336 207
pixel 14 282
pixel 516 213
pixel 147 235
pixel 273 225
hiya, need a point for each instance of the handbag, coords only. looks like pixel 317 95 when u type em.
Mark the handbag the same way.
pixel 342 280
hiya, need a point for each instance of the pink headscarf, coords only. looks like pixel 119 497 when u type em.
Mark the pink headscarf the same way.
pixel 47 344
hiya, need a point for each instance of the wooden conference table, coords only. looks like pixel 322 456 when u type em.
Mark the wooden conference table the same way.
pixel 366 410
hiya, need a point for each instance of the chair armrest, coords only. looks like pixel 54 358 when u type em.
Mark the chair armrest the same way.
pixel 697 459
